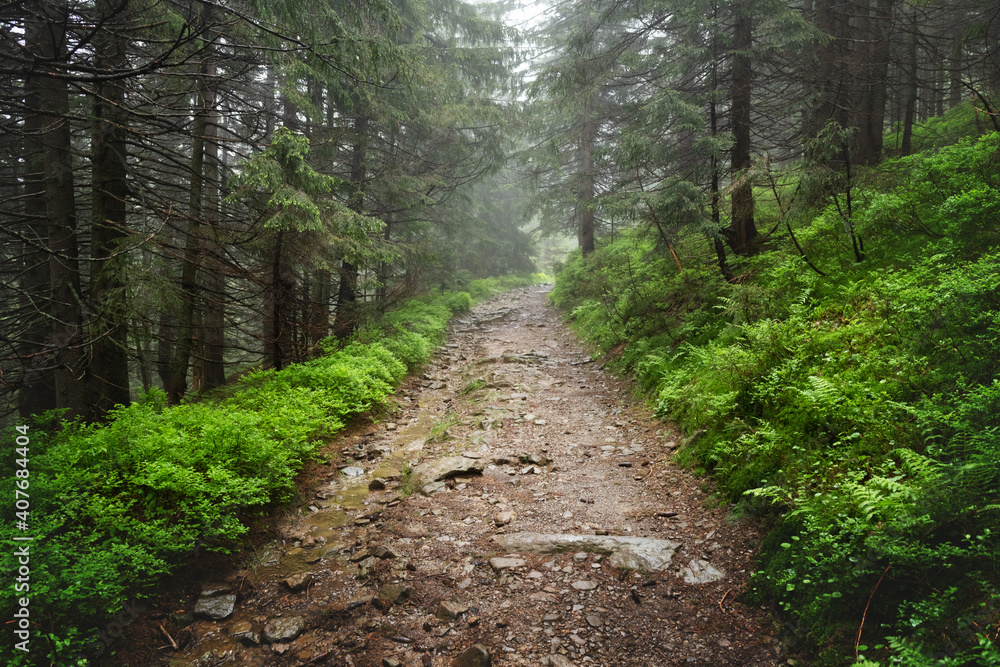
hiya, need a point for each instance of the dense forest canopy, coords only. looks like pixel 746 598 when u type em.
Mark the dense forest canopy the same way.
pixel 193 189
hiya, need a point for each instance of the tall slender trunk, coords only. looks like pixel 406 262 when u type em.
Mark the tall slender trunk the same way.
pixel 912 90
pixel 184 346
pixel 65 312
pixel 345 317
pixel 713 119
pixel 214 301
pixel 587 180
pixel 742 229
pixel 109 222
pixel 37 392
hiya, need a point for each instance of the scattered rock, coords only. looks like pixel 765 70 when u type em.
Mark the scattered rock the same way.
pixel 594 621
pixel 376 485
pixel 449 611
pixel 390 426
pixel 584 585
pixel 535 458
pixel 353 471
pixel 300 581
pixel 394 593
pixel 556 660
pixel 503 518
pixel 383 552
pixel 499 564
pixel 283 629
pixel 215 608
pixel 701 572
pixel 476 655
pixel 243 631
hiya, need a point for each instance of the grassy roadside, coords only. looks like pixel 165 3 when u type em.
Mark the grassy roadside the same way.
pixel 856 410
pixel 115 507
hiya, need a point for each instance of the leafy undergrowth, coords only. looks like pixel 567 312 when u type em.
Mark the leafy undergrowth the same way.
pixel 859 412
pixel 116 506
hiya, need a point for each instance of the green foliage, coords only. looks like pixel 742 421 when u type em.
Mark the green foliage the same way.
pixel 115 507
pixel 857 411
pixel 962 121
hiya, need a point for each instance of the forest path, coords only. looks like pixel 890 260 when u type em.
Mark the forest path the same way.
pixel 370 578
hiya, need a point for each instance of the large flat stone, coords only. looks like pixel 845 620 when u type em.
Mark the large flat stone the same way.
pixel 445 467
pixel 638 553
pixel 215 608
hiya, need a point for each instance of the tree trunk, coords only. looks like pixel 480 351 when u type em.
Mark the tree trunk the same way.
pixel 188 319
pixel 109 330
pixel 214 300
pixel 912 90
pixel 37 392
pixel 742 230
pixel 587 179
pixel 344 319
pixel 65 309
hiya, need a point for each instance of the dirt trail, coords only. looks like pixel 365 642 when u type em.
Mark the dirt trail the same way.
pixel 388 579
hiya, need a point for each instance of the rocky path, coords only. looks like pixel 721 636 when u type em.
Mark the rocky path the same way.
pixel 520 509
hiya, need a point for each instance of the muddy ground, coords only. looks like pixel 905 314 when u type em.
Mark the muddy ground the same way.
pixel 350 575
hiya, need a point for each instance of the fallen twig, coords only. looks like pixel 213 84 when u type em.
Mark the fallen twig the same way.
pixel 169 638
pixel 724 599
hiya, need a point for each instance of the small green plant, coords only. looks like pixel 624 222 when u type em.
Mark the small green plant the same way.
pixel 475 385
pixel 439 432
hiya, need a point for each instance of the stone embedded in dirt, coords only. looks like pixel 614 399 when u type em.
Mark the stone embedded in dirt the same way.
pixel 476 655
pixel 535 458
pixel 243 631
pixel 391 662
pixel 383 552
pixel 556 660
pixel 215 608
pixel 499 564
pixel 283 629
pixel 390 426
pixel 594 621
pixel 584 585
pixel 213 588
pixel 472 455
pixel 501 461
pixel 395 593
pixel 449 611
pixel 432 488
pixel 639 553
pixel 353 471
pixel 446 467
pixel 359 555
pixel 503 518
pixel 701 572
pixel 298 582
pixel 376 485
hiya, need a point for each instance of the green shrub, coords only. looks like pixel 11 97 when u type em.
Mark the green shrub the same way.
pixel 858 411
pixel 115 507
